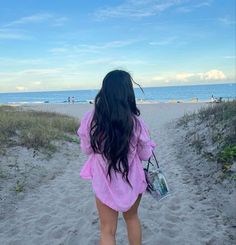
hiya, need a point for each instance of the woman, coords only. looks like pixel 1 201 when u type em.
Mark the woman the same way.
pixel 116 140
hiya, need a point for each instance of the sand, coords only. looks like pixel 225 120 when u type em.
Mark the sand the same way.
pixel 62 210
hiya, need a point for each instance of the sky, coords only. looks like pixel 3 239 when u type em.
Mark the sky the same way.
pixel 68 45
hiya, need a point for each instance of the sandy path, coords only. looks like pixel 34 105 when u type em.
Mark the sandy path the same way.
pixel 63 210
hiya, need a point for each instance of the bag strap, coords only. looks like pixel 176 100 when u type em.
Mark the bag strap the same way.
pixel 149 161
pixel 155 160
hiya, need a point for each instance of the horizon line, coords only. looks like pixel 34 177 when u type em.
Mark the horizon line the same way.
pixel 135 87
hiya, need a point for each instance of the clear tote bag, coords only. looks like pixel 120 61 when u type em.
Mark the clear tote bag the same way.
pixel 157 184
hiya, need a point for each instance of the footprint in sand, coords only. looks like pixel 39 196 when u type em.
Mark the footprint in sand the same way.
pixel 58 231
pixel 173 206
pixel 169 225
pixel 186 181
pixel 147 231
pixel 170 232
pixel 171 218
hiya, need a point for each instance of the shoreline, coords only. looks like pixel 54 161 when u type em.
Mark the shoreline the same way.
pixel 87 103
pixel 138 101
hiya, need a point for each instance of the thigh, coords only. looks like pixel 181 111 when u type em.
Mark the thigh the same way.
pixel 134 209
pixel 108 216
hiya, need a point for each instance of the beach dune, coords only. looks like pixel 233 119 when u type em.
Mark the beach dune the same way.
pixel 63 211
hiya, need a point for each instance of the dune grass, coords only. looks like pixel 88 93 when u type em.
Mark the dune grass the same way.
pixel 37 130
pixel 212 132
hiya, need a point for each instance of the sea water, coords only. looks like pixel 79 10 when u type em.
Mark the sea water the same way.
pixel 151 94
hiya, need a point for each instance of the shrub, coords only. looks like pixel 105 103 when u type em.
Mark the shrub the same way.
pixel 33 129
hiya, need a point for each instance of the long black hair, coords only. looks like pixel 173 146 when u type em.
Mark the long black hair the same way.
pixel 113 121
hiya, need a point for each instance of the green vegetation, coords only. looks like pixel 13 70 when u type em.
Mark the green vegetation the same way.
pixel 33 129
pixel 227 155
pixel 212 132
pixel 220 112
pixel 19 186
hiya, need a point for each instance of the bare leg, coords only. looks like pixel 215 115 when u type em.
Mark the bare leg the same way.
pixel 133 223
pixel 108 223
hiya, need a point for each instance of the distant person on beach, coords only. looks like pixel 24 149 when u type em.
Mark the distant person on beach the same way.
pixel 116 141
pixel 68 99
pixel 213 99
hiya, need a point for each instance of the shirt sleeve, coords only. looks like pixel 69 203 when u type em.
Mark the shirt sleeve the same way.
pixel 83 133
pixel 145 144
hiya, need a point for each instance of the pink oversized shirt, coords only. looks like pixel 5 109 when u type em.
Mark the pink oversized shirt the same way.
pixel 117 193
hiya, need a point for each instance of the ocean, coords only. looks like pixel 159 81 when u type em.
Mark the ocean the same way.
pixel 151 94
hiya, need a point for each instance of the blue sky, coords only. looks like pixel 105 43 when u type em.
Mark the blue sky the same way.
pixel 62 45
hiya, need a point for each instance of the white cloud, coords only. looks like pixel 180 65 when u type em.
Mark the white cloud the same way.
pixel 213 75
pixel 37 83
pixel 56 51
pixel 98 61
pixel 75 50
pixel 33 75
pixel 59 21
pixel 191 7
pixel 98 47
pixel 21 88
pixel 184 77
pixel 54 78
pixel 184 9
pixel 75 77
pixel 112 44
pixel 230 57
pixel 137 8
pixel 41 72
pixel 13 34
pixel 11 31
pixel 227 21
pixel 145 8
pixel 161 79
pixel 113 62
pixel 191 77
pixel 163 42
pixel 4 61
pixel 204 4
pixel 38 18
